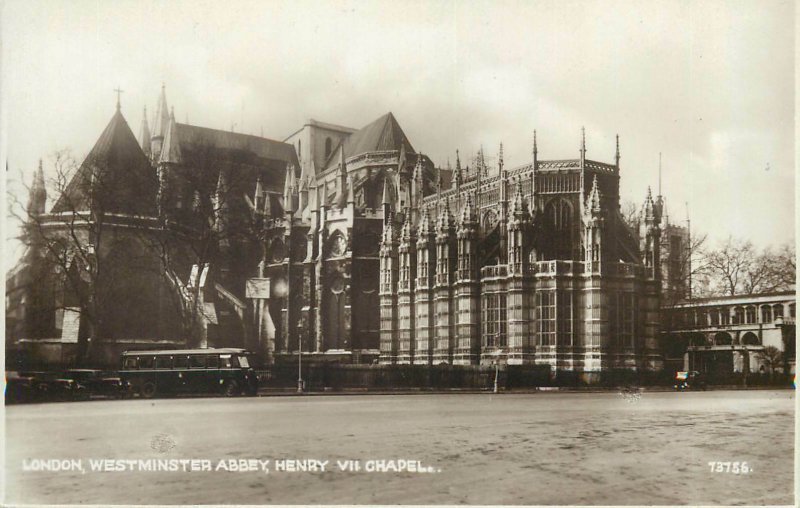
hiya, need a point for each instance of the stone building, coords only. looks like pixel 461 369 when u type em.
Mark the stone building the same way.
pixel 529 265
pixel 728 334
pixel 344 244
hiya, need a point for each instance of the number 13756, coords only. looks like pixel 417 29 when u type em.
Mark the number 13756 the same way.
pixel 730 467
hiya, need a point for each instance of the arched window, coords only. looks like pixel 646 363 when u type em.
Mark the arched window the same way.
pixel 714 317
pixel 766 314
pixel 791 310
pixel 738 316
pixel 723 339
pixel 724 316
pixel 558 214
pixel 777 310
pixel 750 315
pixel 750 339
pixel 328 147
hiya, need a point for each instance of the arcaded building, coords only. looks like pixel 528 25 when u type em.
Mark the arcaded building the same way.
pixel 529 265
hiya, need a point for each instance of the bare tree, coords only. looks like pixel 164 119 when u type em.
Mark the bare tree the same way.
pixel 737 267
pixel 771 357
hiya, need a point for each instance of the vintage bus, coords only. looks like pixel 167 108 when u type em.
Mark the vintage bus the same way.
pixel 225 370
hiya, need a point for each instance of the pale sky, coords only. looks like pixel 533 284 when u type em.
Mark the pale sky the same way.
pixel 709 84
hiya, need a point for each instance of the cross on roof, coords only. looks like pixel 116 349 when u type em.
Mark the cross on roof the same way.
pixel 119 91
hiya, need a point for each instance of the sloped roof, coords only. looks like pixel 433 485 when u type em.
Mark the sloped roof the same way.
pixel 228 143
pixel 120 172
pixel 185 142
pixel 381 135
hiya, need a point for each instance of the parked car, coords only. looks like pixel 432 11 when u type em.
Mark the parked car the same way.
pixel 20 387
pixel 98 382
pixel 690 380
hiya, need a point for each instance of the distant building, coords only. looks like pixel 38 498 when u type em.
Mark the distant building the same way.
pixel 728 334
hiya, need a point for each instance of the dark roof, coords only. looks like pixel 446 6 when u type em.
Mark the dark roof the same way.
pixel 383 134
pixel 122 174
pixel 227 145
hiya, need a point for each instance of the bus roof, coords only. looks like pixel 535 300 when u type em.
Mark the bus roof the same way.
pixel 205 351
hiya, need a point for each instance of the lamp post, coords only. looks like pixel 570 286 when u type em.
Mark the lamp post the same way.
pixel 497 354
pixel 299 364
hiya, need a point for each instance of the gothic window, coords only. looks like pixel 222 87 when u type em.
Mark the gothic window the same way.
pixel 494 320
pixel 558 216
pixel 328 147
pixel 546 317
pixel 565 318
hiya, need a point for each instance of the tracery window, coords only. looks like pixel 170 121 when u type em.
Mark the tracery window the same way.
pixel 495 320
pixel 546 317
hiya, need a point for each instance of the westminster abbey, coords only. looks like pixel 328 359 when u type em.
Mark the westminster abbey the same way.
pixel 350 246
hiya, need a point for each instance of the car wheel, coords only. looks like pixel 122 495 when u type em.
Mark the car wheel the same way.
pixel 148 390
pixel 231 389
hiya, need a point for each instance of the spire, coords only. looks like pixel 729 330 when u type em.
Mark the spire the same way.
pixel 119 92
pixel 518 205
pixel 405 232
pixel 594 197
pixel 144 135
pixel 38 193
pixel 425 224
pixel 583 143
pixel 535 151
pixel 445 218
pixel 500 159
pixel 468 212
pixel 649 209
pixel 162 115
pixel 617 157
pixel 289 190
pixel 458 176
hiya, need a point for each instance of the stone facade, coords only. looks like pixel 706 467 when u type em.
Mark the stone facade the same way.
pixel 531 265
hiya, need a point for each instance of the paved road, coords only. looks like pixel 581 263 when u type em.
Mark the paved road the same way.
pixel 547 448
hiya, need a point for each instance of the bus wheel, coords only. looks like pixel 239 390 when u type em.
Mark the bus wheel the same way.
pixel 148 390
pixel 231 389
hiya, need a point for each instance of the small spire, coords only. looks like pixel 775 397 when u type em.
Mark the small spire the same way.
pixel 144 135
pixel 583 142
pixel 535 151
pixel 162 115
pixel 500 159
pixel 425 224
pixel 458 176
pixel 594 197
pixel 617 156
pixel 518 205
pixel 445 218
pixel 405 231
pixel 649 208
pixel 468 212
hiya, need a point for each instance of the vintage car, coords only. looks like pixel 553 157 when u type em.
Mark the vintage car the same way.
pixel 29 386
pixel 690 380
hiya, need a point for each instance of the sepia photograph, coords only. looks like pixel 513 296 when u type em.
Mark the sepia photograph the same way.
pixel 426 252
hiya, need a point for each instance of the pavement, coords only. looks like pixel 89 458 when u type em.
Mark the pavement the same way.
pixel 626 448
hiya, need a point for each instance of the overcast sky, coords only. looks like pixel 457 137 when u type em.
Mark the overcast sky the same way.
pixel 708 84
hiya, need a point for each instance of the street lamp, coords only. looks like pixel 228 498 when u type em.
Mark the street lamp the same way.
pixel 497 353
pixel 299 364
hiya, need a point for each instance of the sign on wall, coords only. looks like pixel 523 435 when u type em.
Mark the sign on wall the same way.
pixel 257 287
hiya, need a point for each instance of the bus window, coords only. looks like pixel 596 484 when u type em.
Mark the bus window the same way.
pixel 225 361
pixel 197 362
pixel 243 362
pixel 163 362
pixel 146 362
pixel 212 362
pixel 130 363
pixel 181 362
